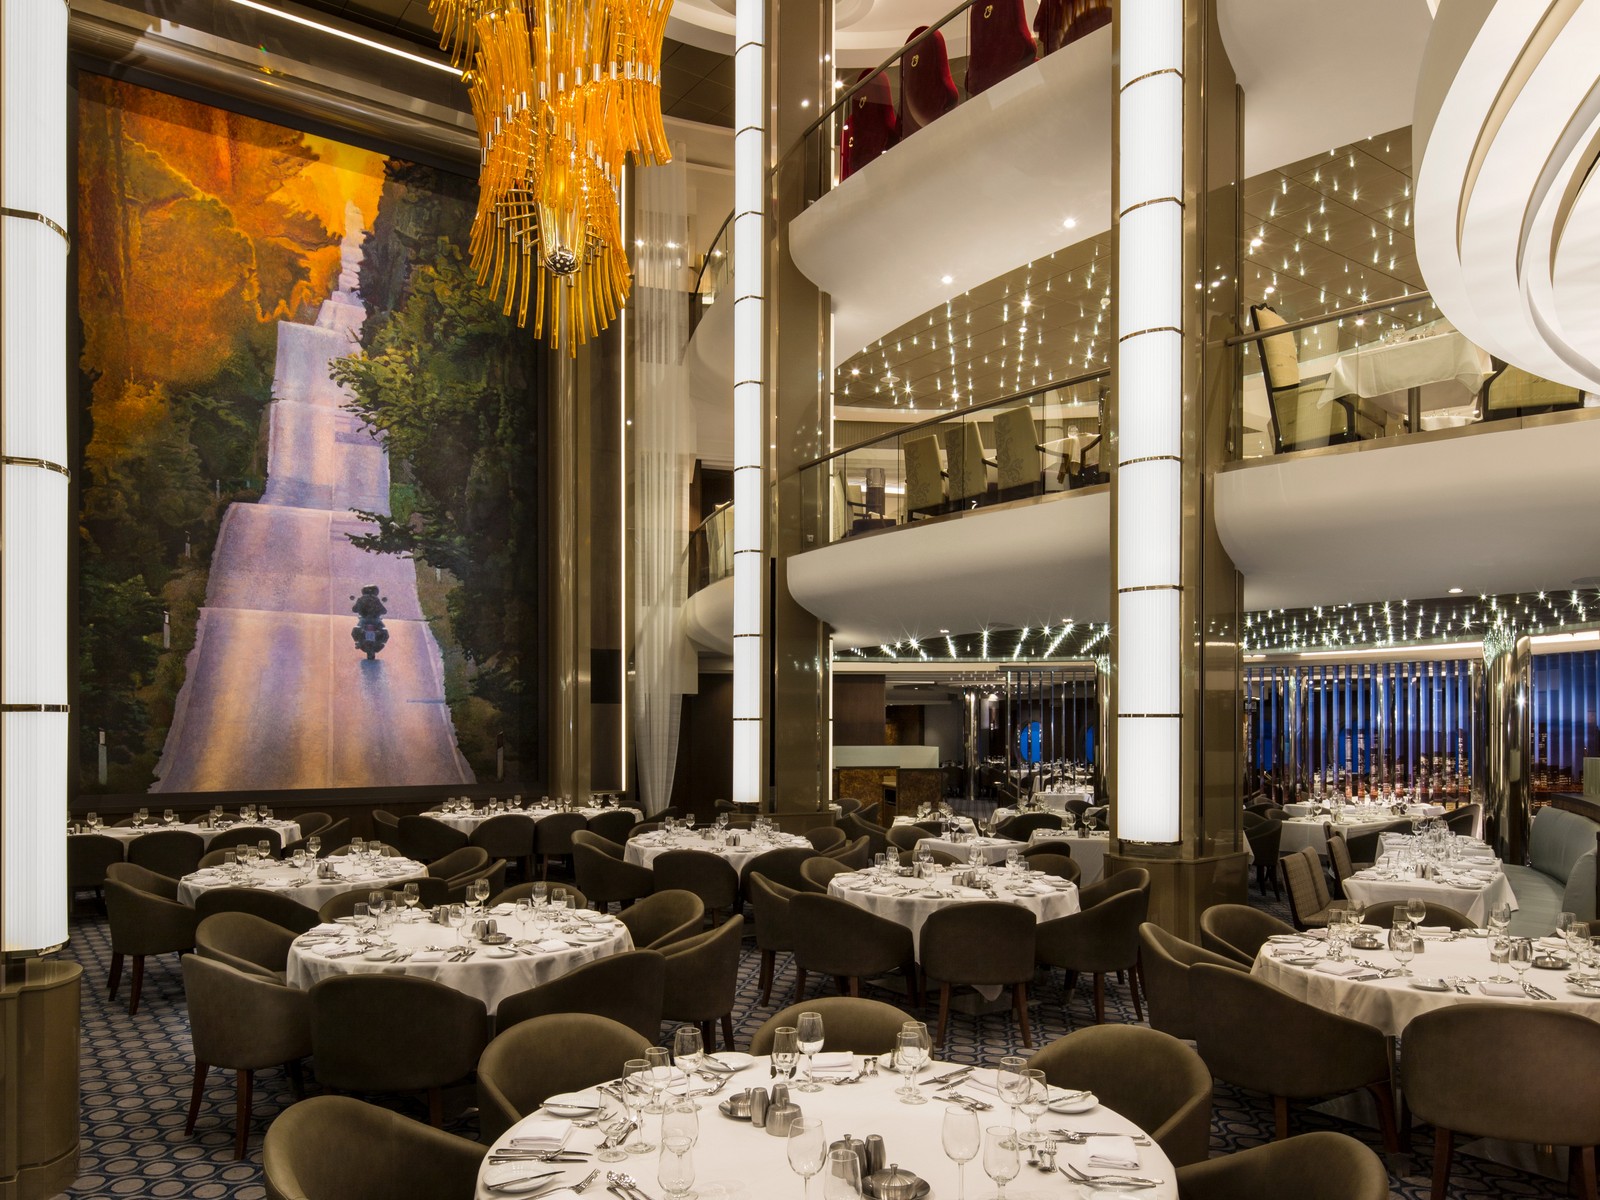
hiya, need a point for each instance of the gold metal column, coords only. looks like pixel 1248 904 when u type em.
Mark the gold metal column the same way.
pixel 39 1009
pixel 1207 863
pixel 799 405
pixel 1506 716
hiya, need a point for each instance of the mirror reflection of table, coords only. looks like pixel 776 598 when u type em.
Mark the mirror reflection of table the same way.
pixel 1411 377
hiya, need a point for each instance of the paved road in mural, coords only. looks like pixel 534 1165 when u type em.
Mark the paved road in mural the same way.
pixel 276 694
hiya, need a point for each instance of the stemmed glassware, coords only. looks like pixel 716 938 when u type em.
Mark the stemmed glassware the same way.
pixel 1522 953
pixel 1000 1159
pixel 1578 943
pixel 675 1168
pixel 635 1087
pixel 1499 948
pixel 1416 911
pixel 909 1056
pixel 1012 1083
pixel 1035 1102
pixel 962 1139
pixel 843 1180
pixel 785 1050
pixel 808 1151
pixel 480 891
pixel 1403 944
pixel 659 1077
pixel 411 896
pixel 808 1030
pixel 688 1050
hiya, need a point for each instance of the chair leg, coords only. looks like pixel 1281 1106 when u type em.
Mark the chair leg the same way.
pixel 1443 1146
pixel 708 1036
pixel 727 1031
pixel 297 1078
pixel 1386 1122
pixel 114 981
pixel 1099 998
pixel 1583 1171
pixel 769 962
pixel 944 1012
pixel 198 1090
pixel 436 1107
pixel 799 983
pixel 138 984
pixel 1133 988
pixel 241 1116
pixel 1280 1118
pixel 1019 998
pixel 913 984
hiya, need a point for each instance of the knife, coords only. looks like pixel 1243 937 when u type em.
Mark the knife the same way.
pixel 942 1080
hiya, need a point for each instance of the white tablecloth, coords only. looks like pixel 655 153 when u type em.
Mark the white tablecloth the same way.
pixel 902 900
pixel 1307 831
pixel 642 850
pixel 734 1160
pixel 1471 899
pixel 1390 1004
pixel 1385 369
pixel 1371 812
pixel 1057 800
pixel 467 822
pixel 489 974
pixel 288 831
pixel 285 878
pixel 1088 851
pixel 962 823
pixel 993 849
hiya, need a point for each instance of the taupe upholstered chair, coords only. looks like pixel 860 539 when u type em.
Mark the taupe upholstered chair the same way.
pixel 244 1023
pixel 709 876
pixel 1310 903
pixel 494 874
pixel 825 837
pixel 1364 846
pixel 1150 1077
pixel 626 988
pixel 659 920
pixel 386 825
pixel 544 1057
pixel 334 833
pixel 269 906
pixel 524 891
pixel 88 856
pixel 1048 845
pixel 816 872
pixel 1256 1037
pixel 834 937
pixel 315 822
pixel 1021 826
pixel 924 477
pixel 508 836
pixel 854 854
pixel 964 461
pixel 703 981
pixel 246 942
pixel 1164 962
pixel 1509 1072
pixel 1465 821
pixel 613 824
pixel 848 805
pixel 983 943
pixel 1338 859
pixel 1385 915
pixel 773 933
pixel 1237 931
pixel 1312 1166
pixel 426 839
pixel 249 835
pixel 850 1023
pixel 553 838
pixel 395 1033
pixel 780 866
pixel 1266 843
pixel 337 1148
pixel 906 837
pixel 344 904
pixel 607 846
pixel 145 918
pixel 1059 865
pixel 604 877
pixel 1299 419
pixel 458 864
pixel 1102 937
pixel 1017 449
pixel 855 827
pixel 371 845
pixel 170 852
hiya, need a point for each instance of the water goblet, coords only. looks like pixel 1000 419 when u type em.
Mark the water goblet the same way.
pixel 230 860
pixel 264 848
pixel 1034 1105
pixel 1578 943
pixel 1521 958
pixel 1416 911
pixel 558 908
pixel 361 914
pixel 480 891
pixel 314 845
pixel 457 918
pixel 808 1029
pixel 411 896
pixel 909 1056
pixel 808 1151
pixel 785 1050
pixel 688 1048
pixel 635 1090
pixel 93 821
pixel 1499 954
pixel 1403 945
pixel 1564 922
pixel 168 816
pixel 962 1137
pixel 1000 1159
pixel 843 1179
pixel 675 1168
pixel 1011 1083
pixel 541 893
pixel 523 913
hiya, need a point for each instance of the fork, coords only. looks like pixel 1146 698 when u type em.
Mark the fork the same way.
pixel 1134 1181
pixel 626 1182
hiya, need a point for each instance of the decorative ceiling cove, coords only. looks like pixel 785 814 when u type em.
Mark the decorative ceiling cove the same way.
pixel 1327 232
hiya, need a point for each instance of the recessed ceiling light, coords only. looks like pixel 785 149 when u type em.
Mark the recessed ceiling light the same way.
pixel 947 279
pixel 1070 223
pixel 944 631
pixel 1455 591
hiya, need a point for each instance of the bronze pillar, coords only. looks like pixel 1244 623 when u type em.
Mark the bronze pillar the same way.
pixel 1507 726
pixel 39 1010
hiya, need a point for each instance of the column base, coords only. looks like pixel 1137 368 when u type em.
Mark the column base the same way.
pixel 1182 888
pixel 39 1011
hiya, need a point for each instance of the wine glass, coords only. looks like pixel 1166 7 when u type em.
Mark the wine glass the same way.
pixel 1416 911
pixel 1403 945
pixel 808 1029
pixel 1521 959
pixel 785 1050
pixel 524 914
pixel 168 816
pixel 909 1056
pixel 480 891
pixel 659 1077
pixel 411 896
pixel 1000 1160
pixel 808 1150
pixel 680 1121
pixel 1034 1105
pixel 635 1089
pixel 1578 944
pixel 1564 922
pixel 1011 1083
pixel 688 1047
pixel 457 917
pixel 843 1180
pixel 314 845
pixel 962 1139
pixel 675 1168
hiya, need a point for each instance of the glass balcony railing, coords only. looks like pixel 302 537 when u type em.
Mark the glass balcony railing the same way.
pixel 716 273
pixel 1373 371
pixel 709 555
pixel 1028 444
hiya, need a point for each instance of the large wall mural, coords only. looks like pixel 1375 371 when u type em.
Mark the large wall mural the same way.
pixel 310 510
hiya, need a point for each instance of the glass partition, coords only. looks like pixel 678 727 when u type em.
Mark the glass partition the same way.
pixel 716 273
pixel 709 554
pixel 1373 371
pixel 1029 444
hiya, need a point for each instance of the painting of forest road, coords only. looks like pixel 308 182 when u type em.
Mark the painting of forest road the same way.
pixel 292 390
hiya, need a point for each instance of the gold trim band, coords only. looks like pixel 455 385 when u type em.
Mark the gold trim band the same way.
pixel 29 215
pixel 1153 329
pixel 35 708
pixel 12 460
pixel 1150 75
pixel 1152 716
pixel 1133 462
pixel 1152 587
pixel 1146 203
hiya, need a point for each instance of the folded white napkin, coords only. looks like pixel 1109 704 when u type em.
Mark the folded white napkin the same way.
pixel 551 945
pixel 326 928
pixel 540 1132
pixel 834 1062
pixel 1103 1154
pixel 329 949
pixel 983 1081
pixel 428 956
pixel 885 889
pixel 1489 988
pixel 503 1178
pixel 1286 951
pixel 1328 967
pixel 1434 930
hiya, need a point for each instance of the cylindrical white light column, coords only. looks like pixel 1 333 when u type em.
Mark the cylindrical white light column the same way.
pixel 34 485
pixel 749 393
pixel 1149 424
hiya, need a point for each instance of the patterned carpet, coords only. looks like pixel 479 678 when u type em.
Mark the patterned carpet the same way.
pixel 137 1073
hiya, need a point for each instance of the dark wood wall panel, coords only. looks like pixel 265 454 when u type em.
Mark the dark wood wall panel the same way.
pixel 858 710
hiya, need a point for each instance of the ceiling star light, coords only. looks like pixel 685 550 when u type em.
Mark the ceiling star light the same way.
pixel 562 91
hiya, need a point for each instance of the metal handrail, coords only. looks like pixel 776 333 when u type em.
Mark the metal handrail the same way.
pixel 1010 398
pixel 1338 314
pixel 706 262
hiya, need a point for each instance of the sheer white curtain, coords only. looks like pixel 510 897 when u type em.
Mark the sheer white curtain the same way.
pixel 661 457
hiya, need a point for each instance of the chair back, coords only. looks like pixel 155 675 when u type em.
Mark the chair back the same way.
pixel 269 906
pixel 1129 879
pixel 1385 915
pixel 1339 856
pixel 1465 821
pixel 546 1056
pixel 143 879
pixel 871 124
pixel 242 1020
pixel 494 874
pixel 1511 390
pixel 170 852
pixel 1164 960
pixel 144 922
pixel 1311 1166
pixel 613 824
pixel 553 834
pixel 458 863
pixel 1237 931
pixel 924 476
pixel 1308 887
pixel 509 835
pixel 386 825
pixel 1021 826
pixel 963 456
pixel 855 827
pixel 906 837
pixel 771 903
pixel 425 838
pixel 663 918
pixel 1102 936
pixel 709 876
pixel 243 940
pixel 848 1022
pixel 88 856
pixel 781 865
pixel 703 974
pixel 815 873
pixel 250 835
pixel 524 891
pixel 315 822
pixel 982 942
pixel 360 1023
pixel 998 43
pixel 625 988
pixel 1059 865
pixel 825 837
pixel 835 937
pixel 927 89
pixel 1266 840
pixel 856 854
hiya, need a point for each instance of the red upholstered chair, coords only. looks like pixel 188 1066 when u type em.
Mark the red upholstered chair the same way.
pixel 927 90
pixel 871 125
pixel 998 43
pixel 1062 22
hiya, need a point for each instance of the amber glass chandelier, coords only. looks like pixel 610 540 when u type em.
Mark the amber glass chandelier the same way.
pixel 562 91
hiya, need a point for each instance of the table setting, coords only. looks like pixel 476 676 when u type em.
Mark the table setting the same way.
pixel 1435 866
pixel 739 846
pixel 1299 832
pixel 308 880
pixel 464 816
pixel 490 953
pixel 211 827
pixel 709 1126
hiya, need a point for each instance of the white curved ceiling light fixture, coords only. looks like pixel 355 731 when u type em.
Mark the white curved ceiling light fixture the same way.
pixel 1507 142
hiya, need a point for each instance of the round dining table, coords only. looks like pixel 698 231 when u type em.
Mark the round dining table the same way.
pixel 735 1160
pixel 466 822
pixel 287 831
pixel 1299 832
pixel 1471 888
pixel 350 874
pixel 415 945
pixel 745 846
pixel 908 901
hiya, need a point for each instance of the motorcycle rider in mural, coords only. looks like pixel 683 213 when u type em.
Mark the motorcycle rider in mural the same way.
pixel 369 633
